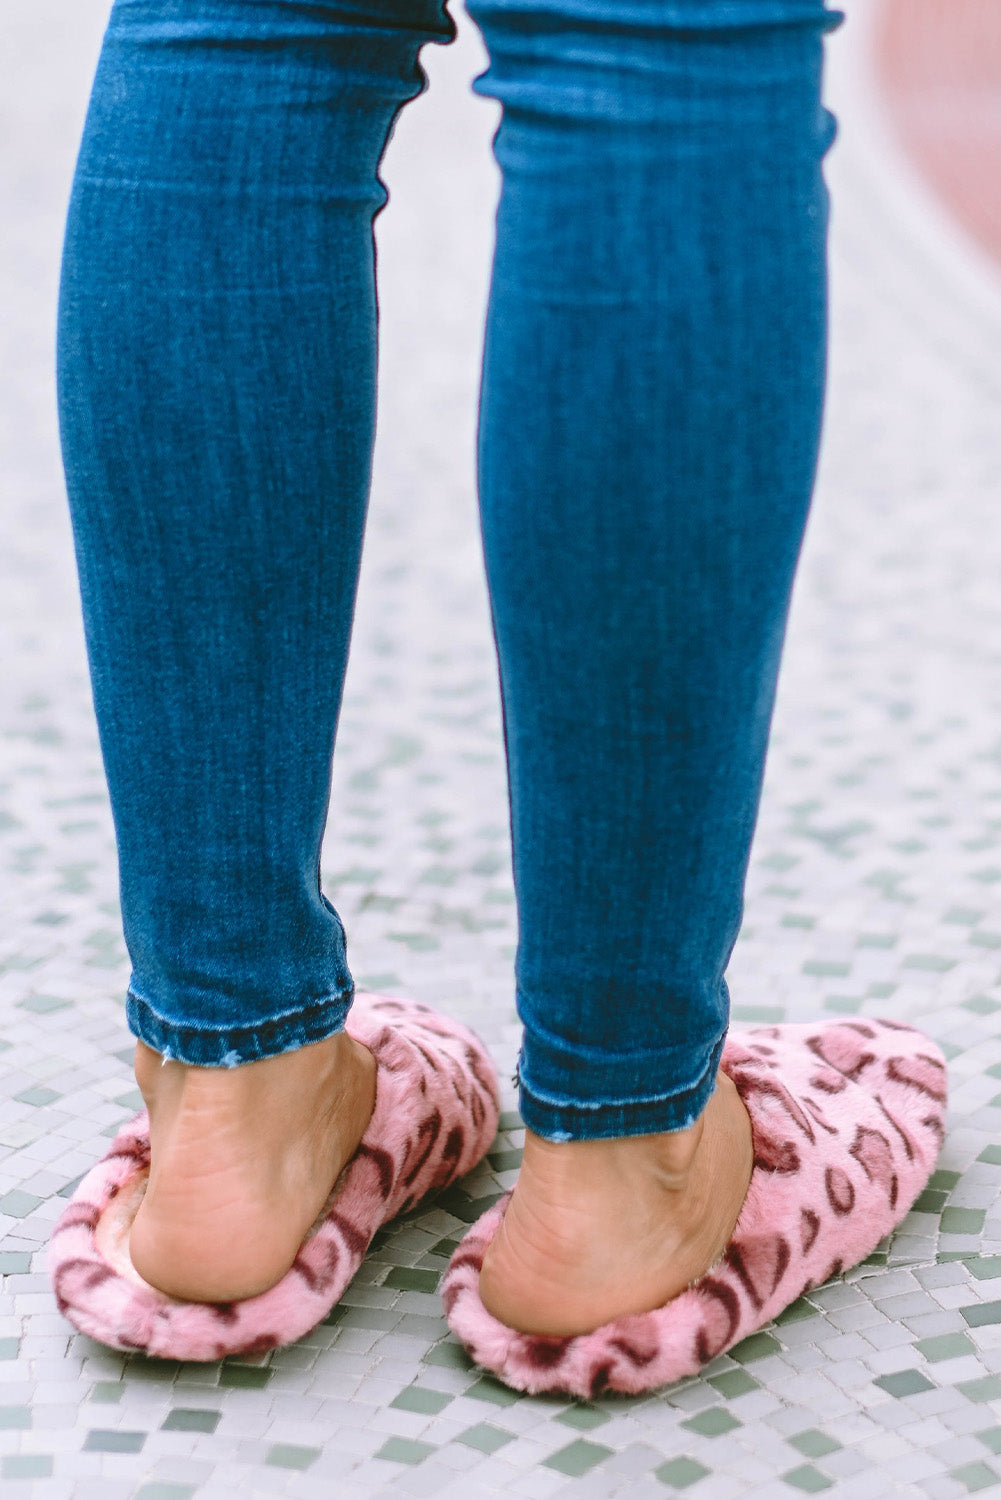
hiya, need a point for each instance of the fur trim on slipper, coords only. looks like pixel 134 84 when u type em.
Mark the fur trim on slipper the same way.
pixel 847 1121
pixel 436 1108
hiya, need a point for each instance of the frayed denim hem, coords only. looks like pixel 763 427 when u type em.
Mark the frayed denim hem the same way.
pixel 232 1046
pixel 597 1119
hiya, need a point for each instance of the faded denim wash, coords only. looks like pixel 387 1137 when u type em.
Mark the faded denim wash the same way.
pixel 651 404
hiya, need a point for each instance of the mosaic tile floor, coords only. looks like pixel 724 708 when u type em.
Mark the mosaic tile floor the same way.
pixel 875 887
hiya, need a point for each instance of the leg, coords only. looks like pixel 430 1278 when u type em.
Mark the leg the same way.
pixel 217 367
pixel 652 397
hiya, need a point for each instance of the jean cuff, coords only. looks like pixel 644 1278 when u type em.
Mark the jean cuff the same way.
pixel 612 1110
pixel 231 1046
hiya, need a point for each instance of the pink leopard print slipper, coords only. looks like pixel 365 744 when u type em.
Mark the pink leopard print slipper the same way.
pixel 436 1108
pixel 847 1121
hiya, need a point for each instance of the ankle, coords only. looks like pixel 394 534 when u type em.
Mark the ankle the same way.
pixel 337 1063
pixel 668 1157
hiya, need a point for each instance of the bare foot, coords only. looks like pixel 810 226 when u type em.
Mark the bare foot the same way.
pixel 242 1161
pixel 598 1229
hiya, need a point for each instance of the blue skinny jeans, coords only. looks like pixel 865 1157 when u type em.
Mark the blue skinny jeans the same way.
pixel 650 411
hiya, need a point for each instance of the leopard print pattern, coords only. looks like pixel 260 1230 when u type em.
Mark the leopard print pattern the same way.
pixel 847 1121
pixel 435 1115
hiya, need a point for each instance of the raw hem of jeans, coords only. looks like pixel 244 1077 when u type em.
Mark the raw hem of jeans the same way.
pixel 597 1119
pixel 232 1046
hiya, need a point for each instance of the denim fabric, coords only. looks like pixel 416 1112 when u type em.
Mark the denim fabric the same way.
pixel 652 392
pixel 651 405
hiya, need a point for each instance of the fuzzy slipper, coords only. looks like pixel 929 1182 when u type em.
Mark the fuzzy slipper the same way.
pixel 847 1121
pixel 436 1107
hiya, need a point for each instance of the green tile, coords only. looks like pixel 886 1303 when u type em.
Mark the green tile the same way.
pixel 981 1314
pixel 944 1179
pixel 584 1418
pixel 758 1346
pixel 485 1438
pixel 291 1456
pixel 404 1451
pixel 813 1443
pixel 578 1457
pixel 411 1279
pixel 477 1207
pixel 245 1377
pixel 421 1399
pixel 448 1356
pixel 991 1155
pixel 825 968
pixel 798 919
pixel 9 1348
pixel 37 1096
pixel 962 1220
pixel 797 1312
pixel 983 1267
pixel 994 1072
pixel 444 1247
pixel 976 1476
pixel 505 1161
pixel 43 1005
pixel 712 1422
pixel 904 1383
pixel 488 864
pixel 945 1346
pixel 876 940
pixel 764 1014
pixel 132 1099
pixel 880 991
pixel 930 963
pixel 417 942
pixel 14 1262
pixel 19 1204
pixel 808 1479
pixel 25 1466
pixel 843 1005
pixel 159 1371
pixel 991 1438
pixel 107 1391
pixel 931 1201
pixel 679 1473
pixel 488 1389
pixel 458 1203
pixel 779 862
pixel 733 1383
pixel 157 1489
pixel 963 916
pixel 102 1441
pixel 191 1419
pixel 510 1120
pixel 987 1388
pixel 15 1416
pixel 981 1005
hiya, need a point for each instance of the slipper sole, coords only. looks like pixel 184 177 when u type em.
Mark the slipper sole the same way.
pixel 436 1110
pixel 847 1121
